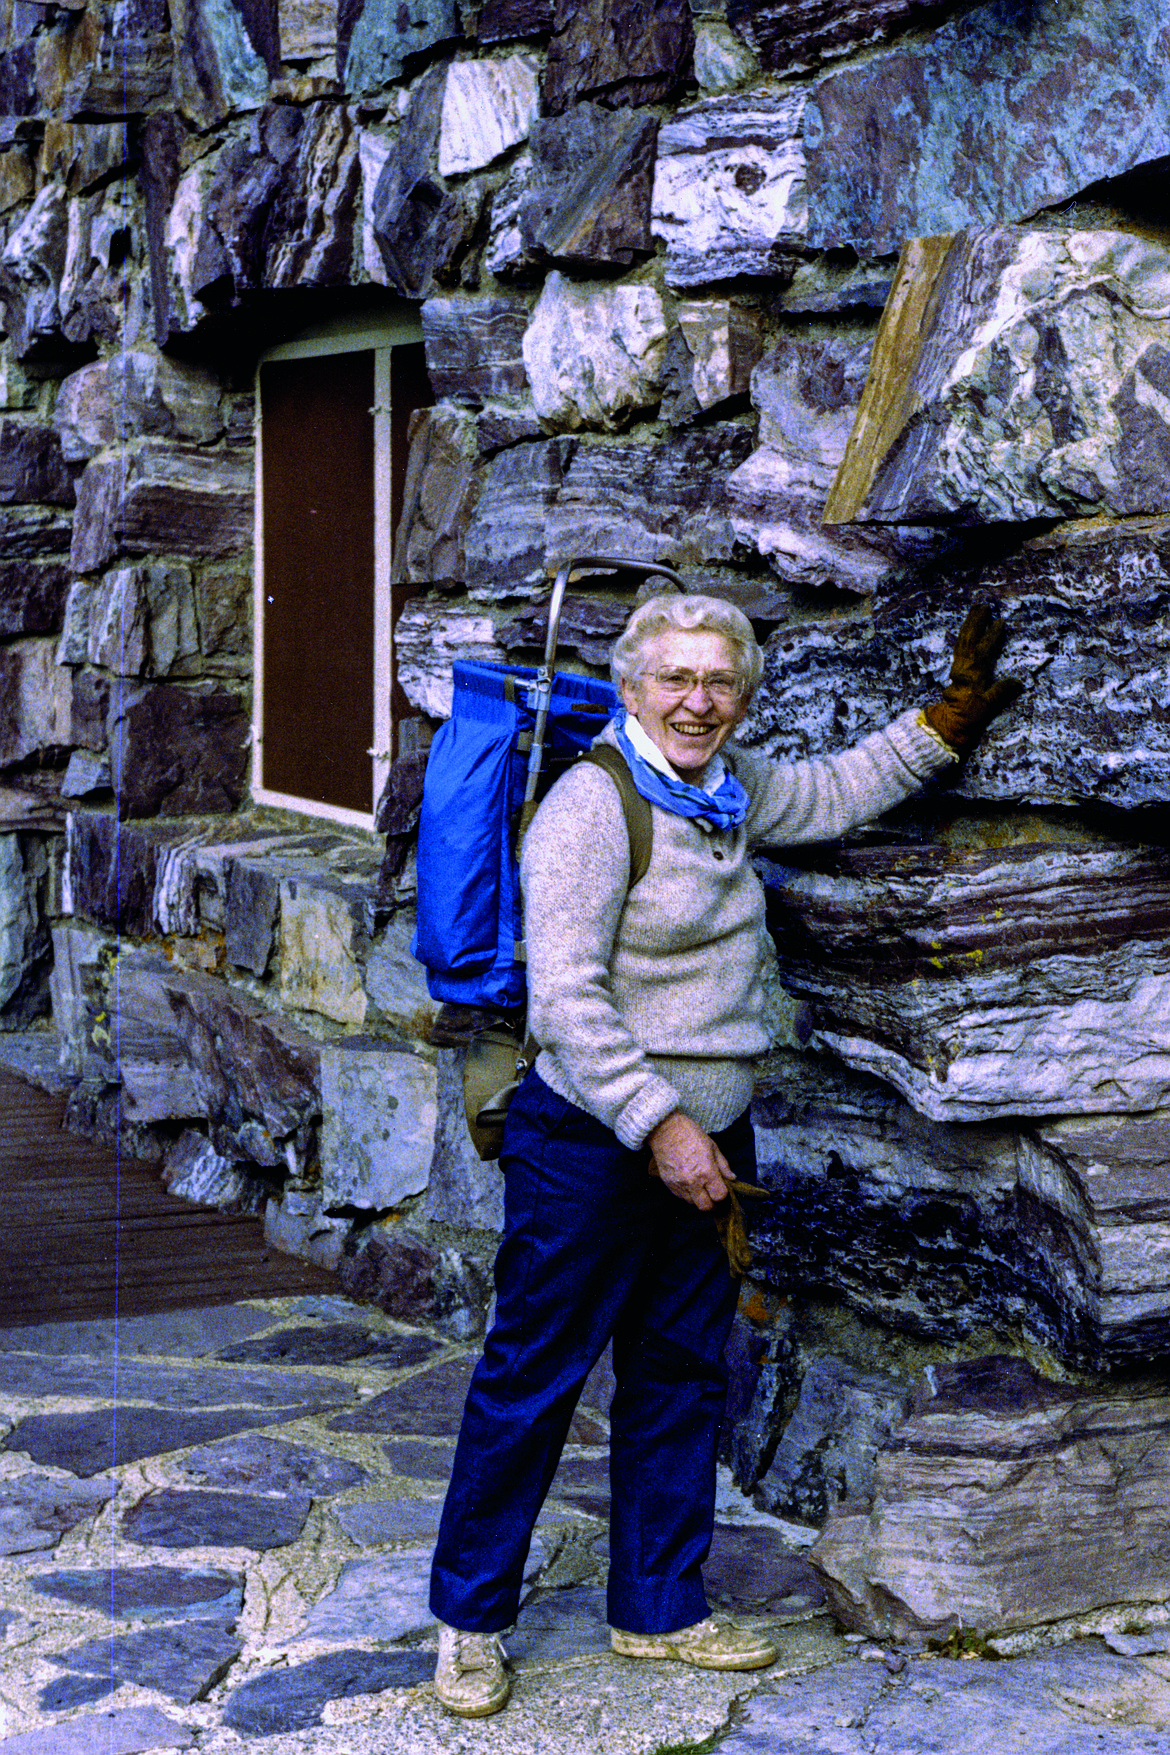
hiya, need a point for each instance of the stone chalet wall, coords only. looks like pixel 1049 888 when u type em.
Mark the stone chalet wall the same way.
pixel 689 277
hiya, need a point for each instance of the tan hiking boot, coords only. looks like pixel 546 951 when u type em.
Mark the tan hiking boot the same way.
pixel 471 1677
pixel 714 1644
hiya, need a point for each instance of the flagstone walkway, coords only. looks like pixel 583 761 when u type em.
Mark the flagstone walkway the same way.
pixel 217 1528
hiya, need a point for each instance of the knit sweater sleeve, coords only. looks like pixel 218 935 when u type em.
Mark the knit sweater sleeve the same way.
pixel 818 800
pixel 575 874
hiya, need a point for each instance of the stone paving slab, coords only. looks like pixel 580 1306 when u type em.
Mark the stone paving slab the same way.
pixel 169 1334
pixel 1075 1701
pixel 129 1732
pixel 187 1386
pixel 36 1510
pixel 338 1343
pixel 192 1519
pixel 148 1592
pixel 86 1443
pixel 270 1465
pixel 292 1699
pixel 325 1643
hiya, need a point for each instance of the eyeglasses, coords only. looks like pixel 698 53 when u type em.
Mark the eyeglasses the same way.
pixel 722 685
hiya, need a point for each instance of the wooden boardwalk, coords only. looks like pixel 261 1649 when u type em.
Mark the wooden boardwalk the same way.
pixel 89 1233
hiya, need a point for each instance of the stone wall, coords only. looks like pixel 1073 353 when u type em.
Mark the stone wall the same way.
pixel 854 313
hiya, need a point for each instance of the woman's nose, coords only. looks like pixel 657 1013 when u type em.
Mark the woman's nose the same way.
pixel 699 696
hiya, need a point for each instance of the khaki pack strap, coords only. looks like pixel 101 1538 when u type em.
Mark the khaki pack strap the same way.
pixel 635 808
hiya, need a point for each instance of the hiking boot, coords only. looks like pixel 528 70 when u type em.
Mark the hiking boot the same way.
pixel 471 1677
pixel 714 1644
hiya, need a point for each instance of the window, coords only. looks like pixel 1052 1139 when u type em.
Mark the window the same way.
pixel 332 413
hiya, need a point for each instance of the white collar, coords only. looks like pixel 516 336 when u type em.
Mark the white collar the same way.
pixel 650 752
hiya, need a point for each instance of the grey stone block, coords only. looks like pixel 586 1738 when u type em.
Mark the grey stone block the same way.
pixel 380 1110
pixel 373 1522
pixel 336 1343
pixel 828 1449
pixel 297 1224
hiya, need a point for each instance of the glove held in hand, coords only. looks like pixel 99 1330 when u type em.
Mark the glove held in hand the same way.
pixel 974 694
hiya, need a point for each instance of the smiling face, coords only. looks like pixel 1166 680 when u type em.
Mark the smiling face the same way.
pixel 688 725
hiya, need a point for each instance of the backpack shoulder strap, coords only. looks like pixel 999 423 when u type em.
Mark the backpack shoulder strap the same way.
pixel 635 808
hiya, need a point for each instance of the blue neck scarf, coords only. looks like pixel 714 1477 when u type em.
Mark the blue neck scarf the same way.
pixel 724 808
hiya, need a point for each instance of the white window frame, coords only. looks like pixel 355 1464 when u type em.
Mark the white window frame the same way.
pixel 379 336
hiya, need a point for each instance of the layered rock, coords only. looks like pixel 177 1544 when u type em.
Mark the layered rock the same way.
pixel 439 494
pixel 791 36
pixel 807 393
pixel 32 468
pixel 32 597
pixel 1004 1500
pixel 114 62
pixel 506 541
pixel 431 636
pixel 721 343
pixel 488 107
pixel 255 1075
pixel 1017 375
pixel 219 68
pixel 422 229
pixel 473 347
pixel 272 211
pixel 25 946
pixel 623 51
pixel 989 119
pixel 582 197
pixel 594 353
pixel 374 38
pixel 1055 1232
pixel 729 187
pixel 136 393
pixel 154 495
pixel 661 502
pixel 134 621
pixel 36 701
pixel 1031 979
pixel 31 267
pixel 1088 632
pixel 502 20
pixel 178 750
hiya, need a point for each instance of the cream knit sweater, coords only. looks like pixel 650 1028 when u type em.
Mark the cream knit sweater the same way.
pixel 650 1000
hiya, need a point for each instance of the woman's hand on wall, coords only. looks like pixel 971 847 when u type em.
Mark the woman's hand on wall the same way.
pixel 689 1162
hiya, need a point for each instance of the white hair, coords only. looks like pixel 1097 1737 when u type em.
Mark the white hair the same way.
pixel 691 615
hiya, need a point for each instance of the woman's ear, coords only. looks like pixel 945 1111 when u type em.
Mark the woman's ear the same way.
pixel 629 698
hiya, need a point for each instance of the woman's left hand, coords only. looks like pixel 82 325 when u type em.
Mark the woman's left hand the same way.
pixel 689 1162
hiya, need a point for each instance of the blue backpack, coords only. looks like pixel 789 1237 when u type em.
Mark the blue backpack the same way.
pixel 469 924
pixel 512 731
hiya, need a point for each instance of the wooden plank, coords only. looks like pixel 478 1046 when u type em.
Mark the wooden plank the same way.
pixel 96 1232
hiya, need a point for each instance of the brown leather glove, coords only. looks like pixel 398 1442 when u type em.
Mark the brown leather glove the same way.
pixel 974 694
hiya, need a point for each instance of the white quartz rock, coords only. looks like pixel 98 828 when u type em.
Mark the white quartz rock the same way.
pixel 729 185
pixel 594 353
pixel 488 106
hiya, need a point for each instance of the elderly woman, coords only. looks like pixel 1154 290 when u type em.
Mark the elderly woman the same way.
pixel 649 1006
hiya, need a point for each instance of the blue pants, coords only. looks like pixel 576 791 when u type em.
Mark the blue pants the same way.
pixel 593 1246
